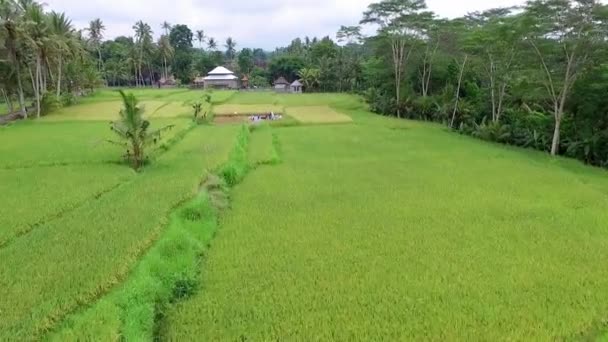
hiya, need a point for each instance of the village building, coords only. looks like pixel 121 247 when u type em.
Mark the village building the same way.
pixel 219 78
pixel 245 82
pixel 281 85
pixel 167 82
pixel 199 82
pixel 296 87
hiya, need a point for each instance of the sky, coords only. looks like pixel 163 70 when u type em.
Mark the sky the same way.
pixel 252 23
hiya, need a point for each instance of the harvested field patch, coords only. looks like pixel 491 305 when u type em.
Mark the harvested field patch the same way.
pixel 233 109
pixel 317 114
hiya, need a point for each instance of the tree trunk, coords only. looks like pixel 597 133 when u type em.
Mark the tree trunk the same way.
pixel 8 103
pixel 59 78
pixel 556 135
pixel 464 63
pixel 20 91
pixel 38 85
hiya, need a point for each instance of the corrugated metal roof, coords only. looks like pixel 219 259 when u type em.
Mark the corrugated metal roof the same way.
pixel 220 71
pixel 296 83
pixel 220 78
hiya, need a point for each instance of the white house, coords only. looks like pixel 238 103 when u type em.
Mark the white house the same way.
pixel 296 87
pixel 221 78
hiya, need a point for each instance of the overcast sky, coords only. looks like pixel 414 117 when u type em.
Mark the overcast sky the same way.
pixel 252 23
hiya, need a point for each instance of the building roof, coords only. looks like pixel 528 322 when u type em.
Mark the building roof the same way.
pixel 245 78
pixel 220 78
pixel 297 83
pixel 199 79
pixel 220 70
pixel 281 80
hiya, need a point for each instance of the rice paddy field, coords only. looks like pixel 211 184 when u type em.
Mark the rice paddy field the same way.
pixel 342 225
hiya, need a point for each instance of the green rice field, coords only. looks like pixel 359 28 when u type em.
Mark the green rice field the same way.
pixel 336 225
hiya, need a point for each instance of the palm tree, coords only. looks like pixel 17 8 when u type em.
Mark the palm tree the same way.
pixel 96 29
pixel 200 36
pixel 310 77
pixel 167 52
pixel 230 48
pixel 10 16
pixel 143 36
pixel 212 44
pixel 167 27
pixel 61 28
pixel 133 129
pixel 38 41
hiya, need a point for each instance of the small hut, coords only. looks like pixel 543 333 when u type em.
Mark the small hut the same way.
pixel 245 82
pixel 199 82
pixel 281 85
pixel 296 87
pixel 167 82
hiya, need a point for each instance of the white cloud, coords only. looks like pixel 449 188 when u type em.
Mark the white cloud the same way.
pixel 261 23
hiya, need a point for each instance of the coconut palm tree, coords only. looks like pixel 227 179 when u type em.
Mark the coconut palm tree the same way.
pixel 310 77
pixel 167 27
pixel 38 42
pixel 61 28
pixel 230 48
pixel 212 44
pixel 96 29
pixel 134 130
pixel 200 36
pixel 143 40
pixel 10 22
pixel 166 51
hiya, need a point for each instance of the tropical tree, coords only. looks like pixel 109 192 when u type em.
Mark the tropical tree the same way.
pixel 230 48
pixel 167 27
pixel 96 29
pixel 398 21
pixel 309 77
pixel 61 28
pixel 245 61
pixel 212 44
pixel 38 43
pixel 134 130
pixel 562 33
pixel 200 36
pixel 166 52
pixel 143 41
pixel 11 32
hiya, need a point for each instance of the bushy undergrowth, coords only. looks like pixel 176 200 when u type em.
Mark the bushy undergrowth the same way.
pixel 237 165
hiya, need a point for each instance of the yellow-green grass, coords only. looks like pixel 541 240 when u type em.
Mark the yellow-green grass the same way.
pixel 108 111
pixel 71 261
pixel 166 273
pixel 407 232
pixel 41 143
pixel 246 109
pixel 262 146
pixel 34 196
pixel 317 114
pixel 251 98
pixel 170 94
